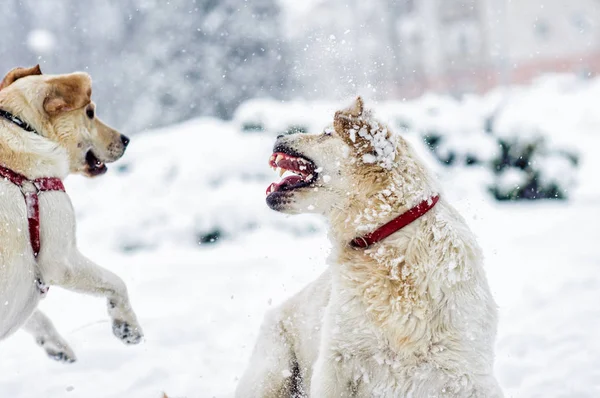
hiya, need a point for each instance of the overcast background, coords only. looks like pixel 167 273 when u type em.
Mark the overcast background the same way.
pixel 156 62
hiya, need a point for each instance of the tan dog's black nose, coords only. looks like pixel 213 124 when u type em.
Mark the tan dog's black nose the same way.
pixel 124 140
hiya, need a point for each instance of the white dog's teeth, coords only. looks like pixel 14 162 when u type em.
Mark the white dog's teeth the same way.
pixel 309 177
pixel 278 158
pixel 281 172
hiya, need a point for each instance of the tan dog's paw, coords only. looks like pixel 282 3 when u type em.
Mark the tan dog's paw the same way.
pixel 61 356
pixel 127 333
pixel 58 350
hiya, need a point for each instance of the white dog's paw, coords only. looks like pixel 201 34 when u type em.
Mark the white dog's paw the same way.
pixel 127 333
pixel 58 350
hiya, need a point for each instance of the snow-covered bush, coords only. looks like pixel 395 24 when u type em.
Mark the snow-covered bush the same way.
pixel 485 132
pixel 530 169
pixel 525 166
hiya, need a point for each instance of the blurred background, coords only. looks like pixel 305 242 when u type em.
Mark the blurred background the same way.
pixel 157 62
pixel 499 97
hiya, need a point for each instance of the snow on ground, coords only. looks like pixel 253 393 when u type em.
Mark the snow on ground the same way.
pixel 201 304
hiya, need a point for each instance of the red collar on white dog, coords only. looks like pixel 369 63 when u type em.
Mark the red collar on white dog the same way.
pixel 30 189
pixel 362 242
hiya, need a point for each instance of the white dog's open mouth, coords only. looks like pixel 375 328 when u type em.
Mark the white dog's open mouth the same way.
pixel 94 167
pixel 296 170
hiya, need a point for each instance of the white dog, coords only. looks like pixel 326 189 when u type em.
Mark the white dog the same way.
pixel 404 309
pixel 48 129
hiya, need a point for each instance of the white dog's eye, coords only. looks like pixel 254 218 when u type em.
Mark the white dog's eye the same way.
pixel 90 112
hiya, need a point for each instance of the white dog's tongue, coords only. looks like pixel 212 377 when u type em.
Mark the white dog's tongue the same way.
pixel 285 182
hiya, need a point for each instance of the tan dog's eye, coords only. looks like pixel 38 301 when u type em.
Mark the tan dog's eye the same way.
pixel 90 112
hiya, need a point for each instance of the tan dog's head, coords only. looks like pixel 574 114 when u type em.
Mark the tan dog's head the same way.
pixel 355 167
pixel 59 108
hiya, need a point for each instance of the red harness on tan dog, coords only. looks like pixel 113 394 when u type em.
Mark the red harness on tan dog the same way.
pixel 30 190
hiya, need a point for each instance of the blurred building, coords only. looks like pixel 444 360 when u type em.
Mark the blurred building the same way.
pixel 473 45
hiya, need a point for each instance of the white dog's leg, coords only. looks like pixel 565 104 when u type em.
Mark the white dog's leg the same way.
pixel 42 329
pixel 428 381
pixel 86 277
pixel 327 380
pixel 272 367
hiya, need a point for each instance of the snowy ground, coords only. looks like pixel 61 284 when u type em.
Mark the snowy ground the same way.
pixel 201 305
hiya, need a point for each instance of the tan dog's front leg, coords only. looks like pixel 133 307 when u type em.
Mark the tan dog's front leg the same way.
pixel 86 277
pixel 42 329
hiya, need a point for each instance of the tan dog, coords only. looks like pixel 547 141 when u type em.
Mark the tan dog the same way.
pixel 48 129
pixel 404 309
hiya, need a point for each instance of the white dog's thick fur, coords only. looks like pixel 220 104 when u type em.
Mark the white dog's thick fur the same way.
pixel 60 110
pixel 411 316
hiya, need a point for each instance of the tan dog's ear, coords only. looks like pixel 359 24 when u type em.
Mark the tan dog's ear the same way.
pixel 17 73
pixel 68 92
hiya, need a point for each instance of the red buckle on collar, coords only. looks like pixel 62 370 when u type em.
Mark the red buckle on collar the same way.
pixel 30 189
pixel 362 242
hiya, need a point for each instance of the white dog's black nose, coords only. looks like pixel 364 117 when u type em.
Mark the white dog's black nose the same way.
pixel 124 140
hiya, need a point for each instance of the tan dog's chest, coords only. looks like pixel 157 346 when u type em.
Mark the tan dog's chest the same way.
pixel 20 271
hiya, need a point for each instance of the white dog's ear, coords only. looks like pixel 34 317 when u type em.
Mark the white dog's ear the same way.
pixel 370 139
pixel 357 108
pixel 68 92
pixel 18 73
pixel 346 119
pixel 350 121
